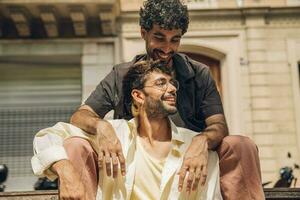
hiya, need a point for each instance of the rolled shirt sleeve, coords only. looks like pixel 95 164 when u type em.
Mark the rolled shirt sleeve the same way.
pixel 211 103
pixel 48 147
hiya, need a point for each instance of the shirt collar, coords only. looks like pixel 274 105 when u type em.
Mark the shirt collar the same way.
pixel 176 136
pixel 183 67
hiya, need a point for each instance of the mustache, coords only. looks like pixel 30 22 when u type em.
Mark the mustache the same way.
pixel 165 96
pixel 160 51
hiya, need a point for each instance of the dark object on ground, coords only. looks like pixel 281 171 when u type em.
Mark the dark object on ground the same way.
pixel 266 183
pixel 286 177
pixel 3 176
pixel 46 184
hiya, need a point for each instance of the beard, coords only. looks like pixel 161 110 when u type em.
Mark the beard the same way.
pixel 155 54
pixel 159 108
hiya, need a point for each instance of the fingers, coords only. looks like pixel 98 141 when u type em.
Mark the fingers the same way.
pixel 114 164
pixel 107 163
pixel 193 175
pixel 203 175
pixel 190 180
pixel 197 178
pixel 110 154
pixel 100 159
pixel 182 174
pixel 112 161
pixel 122 162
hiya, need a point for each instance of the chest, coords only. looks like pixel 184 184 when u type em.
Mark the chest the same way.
pixel 158 149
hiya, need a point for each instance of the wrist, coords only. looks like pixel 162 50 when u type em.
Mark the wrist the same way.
pixel 202 136
pixel 101 125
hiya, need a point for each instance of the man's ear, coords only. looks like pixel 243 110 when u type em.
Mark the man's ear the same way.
pixel 138 96
pixel 143 33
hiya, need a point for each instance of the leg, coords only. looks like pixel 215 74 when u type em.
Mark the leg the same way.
pixel 84 159
pixel 240 169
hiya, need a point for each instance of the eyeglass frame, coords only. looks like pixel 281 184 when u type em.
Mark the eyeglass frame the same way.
pixel 165 86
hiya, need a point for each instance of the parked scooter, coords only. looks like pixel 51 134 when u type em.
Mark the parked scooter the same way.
pixel 287 178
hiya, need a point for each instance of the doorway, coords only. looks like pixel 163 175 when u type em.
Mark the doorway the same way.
pixel 213 64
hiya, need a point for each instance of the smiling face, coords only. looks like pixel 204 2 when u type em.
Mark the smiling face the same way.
pixel 160 95
pixel 161 44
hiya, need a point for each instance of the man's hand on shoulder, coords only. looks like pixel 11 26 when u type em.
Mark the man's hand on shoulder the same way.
pixel 194 166
pixel 70 184
pixel 109 149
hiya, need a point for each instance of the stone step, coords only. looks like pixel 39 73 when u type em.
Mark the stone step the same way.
pixel 282 193
pixel 271 194
pixel 32 195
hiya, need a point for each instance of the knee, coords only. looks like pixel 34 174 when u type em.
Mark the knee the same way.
pixel 78 146
pixel 237 144
pixel 234 141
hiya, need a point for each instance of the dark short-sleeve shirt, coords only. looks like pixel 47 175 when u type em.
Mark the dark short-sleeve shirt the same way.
pixel 197 97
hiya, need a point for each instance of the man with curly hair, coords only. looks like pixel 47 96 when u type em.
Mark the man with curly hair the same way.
pixel 163 23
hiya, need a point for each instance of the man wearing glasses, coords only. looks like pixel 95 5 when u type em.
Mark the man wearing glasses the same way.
pixel 153 145
pixel 199 106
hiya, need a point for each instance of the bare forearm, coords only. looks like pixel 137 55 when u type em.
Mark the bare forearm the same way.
pixel 71 186
pixel 86 119
pixel 215 134
pixel 215 131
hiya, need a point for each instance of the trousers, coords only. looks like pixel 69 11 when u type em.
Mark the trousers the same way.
pixel 240 175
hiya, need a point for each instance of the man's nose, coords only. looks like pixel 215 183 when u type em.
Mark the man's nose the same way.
pixel 167 49
pixel 171 88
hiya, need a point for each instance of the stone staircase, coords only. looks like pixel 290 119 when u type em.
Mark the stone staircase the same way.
pixel 270 193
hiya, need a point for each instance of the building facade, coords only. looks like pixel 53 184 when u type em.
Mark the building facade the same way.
pixel 53 54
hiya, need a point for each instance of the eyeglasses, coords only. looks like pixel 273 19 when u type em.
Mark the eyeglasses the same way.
pixel 162 84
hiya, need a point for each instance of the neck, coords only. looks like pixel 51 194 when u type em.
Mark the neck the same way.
pixel 156 129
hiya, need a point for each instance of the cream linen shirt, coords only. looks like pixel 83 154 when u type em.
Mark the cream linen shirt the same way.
pixel 48 148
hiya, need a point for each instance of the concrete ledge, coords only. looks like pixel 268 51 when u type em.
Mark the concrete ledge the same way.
pixel 270 193
pixel 32 195
pixel 282 193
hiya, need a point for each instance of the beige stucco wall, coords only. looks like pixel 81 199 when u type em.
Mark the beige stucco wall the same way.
pixel 271 92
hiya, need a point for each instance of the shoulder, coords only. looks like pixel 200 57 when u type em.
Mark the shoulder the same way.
pixel 119 124
pixel 186 134
pixel 196 65
pixel 191 68
pixel 122 68
pixel 121 127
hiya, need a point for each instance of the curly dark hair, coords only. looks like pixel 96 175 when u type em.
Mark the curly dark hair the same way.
pixel 136 77
pixel 168 14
